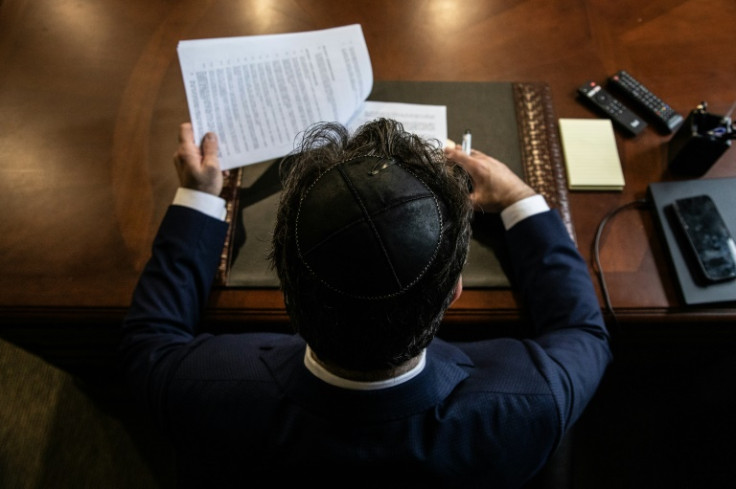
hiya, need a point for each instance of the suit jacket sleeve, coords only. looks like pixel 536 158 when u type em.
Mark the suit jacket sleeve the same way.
pixel 169 299
pixel 570 345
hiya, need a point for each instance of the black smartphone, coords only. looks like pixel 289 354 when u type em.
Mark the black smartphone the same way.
pixel 707 236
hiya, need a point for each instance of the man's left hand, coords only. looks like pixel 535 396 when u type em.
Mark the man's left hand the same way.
pixel 198 167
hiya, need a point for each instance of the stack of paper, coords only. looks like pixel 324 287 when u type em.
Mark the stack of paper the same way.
pixel 591 155
pixel 258 93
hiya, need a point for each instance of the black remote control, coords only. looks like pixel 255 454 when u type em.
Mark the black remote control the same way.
pixel 604 102
pixel 658 112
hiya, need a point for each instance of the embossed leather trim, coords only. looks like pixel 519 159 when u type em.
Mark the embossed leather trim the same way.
pixel 541 151
pixel 230 192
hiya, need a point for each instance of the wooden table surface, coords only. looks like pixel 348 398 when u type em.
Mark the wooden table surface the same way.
pixel 91 96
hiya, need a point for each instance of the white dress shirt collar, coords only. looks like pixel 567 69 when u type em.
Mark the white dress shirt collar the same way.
pixel 322 373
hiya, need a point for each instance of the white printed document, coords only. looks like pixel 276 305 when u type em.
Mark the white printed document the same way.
pixel 258 93
pixel 426 121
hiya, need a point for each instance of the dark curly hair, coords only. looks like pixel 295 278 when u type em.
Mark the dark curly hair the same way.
pixel 350 332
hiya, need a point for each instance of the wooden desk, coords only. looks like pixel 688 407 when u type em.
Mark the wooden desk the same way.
pixel 91 96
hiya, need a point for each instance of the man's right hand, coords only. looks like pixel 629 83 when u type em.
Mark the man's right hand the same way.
pixel 495 186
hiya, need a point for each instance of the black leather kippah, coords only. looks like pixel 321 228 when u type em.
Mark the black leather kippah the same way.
pixel 368 228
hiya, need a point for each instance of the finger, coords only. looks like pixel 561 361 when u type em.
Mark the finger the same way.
pixel 187 147
pixel 459 155
pixel 209 146
pixel 470 164
pixel 210 161
pixel 186 133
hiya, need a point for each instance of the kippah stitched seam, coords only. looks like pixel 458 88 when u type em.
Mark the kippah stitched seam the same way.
pixel 441 231
pixel 402 289
pixel 337 232
pixel 372 225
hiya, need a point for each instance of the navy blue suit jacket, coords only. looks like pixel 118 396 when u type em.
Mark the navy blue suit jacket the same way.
pixel 243 409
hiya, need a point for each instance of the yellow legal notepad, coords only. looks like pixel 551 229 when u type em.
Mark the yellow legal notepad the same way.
pixel 591 155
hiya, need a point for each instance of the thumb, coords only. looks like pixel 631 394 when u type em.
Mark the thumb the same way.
pixel 209 146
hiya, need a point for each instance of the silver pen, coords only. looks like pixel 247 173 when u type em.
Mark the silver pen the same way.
pixel 467 138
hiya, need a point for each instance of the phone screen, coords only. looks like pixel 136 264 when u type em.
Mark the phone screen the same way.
pixel 707 236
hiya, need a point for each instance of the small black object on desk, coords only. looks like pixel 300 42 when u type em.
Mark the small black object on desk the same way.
pixel 699 142
pixel 601 101
pixel 654 108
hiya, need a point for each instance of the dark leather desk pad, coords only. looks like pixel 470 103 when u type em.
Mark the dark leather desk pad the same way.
pixel 504 124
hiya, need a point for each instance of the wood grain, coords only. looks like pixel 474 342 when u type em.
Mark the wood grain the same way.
pixel 91 96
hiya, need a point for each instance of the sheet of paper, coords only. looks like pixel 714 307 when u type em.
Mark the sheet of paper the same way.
pixel 259 92
pixel 426 121
pixel 591 155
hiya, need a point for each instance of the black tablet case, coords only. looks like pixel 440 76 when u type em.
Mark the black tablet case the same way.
pixel 662 194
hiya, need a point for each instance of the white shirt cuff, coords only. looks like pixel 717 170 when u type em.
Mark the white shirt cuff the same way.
pixel 522 209
pixel 211 205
